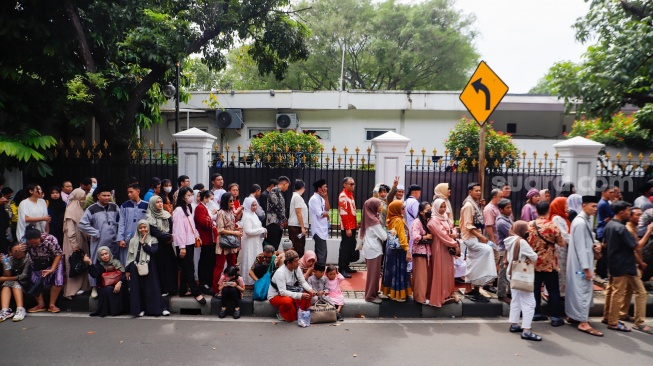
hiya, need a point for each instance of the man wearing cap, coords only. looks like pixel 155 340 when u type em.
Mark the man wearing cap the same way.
pixel 318 211
pixel 100 222
pixel 580 268
pixel 399 195
pixel 348 226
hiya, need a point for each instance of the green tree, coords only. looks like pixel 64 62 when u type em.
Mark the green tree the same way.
pixel 121 52
pixel 463 146
pixel 617 69
pixel 388 46
pixel 285 149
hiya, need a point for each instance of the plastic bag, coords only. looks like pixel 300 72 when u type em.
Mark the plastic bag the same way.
pixel 304 318
pixel 459 267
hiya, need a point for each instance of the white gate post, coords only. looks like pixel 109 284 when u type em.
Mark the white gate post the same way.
pixel 194 148
pixel 390 155
pixel 578 162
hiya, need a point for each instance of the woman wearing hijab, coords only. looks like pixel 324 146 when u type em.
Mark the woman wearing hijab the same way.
pixel 575 203
pixel 396 279
pixel 373 235
pixel 160 222
pixel 74 240
pixel 442 245
pixel 144 289
pixel 529 212
pixel 307 262
pixel 559 215
pixel 110 298
pixel 56 210
pixel 522 301
pixel 252 241
pixel 443 191
pixel 421 250
pixel 545 195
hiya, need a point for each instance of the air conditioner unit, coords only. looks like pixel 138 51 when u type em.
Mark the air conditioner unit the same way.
pixel 229 118
pixel 286 121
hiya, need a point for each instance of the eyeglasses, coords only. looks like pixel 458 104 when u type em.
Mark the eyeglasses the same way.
pixel 351 184
pixel 231 200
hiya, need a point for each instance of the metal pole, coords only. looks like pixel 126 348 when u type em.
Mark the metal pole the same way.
pixel 481 157
pixel 342 67
pixel 177 97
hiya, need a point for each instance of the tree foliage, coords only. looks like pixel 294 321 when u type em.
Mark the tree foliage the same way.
pixel 115 55
pixel 620 131
pixel 388 46
pixel 463 145
pixel 285 149
pixel 617 69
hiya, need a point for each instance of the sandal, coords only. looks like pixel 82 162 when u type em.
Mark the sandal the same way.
pixel 644 328
pixel 619 328
pixel 53 309
pixel 591 331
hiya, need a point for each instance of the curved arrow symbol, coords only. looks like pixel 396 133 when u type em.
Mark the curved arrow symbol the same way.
pixel 478 86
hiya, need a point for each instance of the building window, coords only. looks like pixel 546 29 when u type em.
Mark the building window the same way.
pixel 511 128
pixel 324 134
pixel 372 134
pixel 253 131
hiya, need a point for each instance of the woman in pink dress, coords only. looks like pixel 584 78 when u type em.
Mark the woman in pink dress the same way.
pixel 444 232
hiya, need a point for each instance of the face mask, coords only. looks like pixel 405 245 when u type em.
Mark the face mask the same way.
pixel 428 214
pixel 93 186
pixel 189 200
pixel 167 189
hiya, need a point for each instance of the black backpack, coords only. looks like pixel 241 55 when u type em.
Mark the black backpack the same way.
pixel 76 264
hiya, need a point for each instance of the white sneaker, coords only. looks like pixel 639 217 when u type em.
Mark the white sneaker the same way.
pixel 279 317
pixel 141 313
pixel 6 314
pixel 94 293
pixel 426 302
pixel 165 313
pixel 164 295
pixel 79 292
pixel 20 314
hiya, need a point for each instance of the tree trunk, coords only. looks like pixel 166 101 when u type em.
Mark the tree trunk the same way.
pixel 120 158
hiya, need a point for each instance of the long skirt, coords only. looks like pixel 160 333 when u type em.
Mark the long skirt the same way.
pixel 144 291
pixel 109 303
pixel 421 278
pixel 167 269
pixel 396 279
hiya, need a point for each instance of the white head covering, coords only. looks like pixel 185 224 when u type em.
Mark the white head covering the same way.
pixel 436 207
pixel 400 187
pixel 247 205
pixel 575 202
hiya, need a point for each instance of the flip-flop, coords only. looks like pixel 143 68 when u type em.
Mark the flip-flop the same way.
pixel 644 328
pixel 591 331
pixel 619 328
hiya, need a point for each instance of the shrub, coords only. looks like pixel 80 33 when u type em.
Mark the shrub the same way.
pixel 286 149
pixel 621 131
pixel 463 146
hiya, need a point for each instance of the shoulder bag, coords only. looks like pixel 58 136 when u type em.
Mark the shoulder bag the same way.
pixel 142 266
pixel 295 287
pixel 323 312
pixel 262 285
pixel 40 264
pixel 522 275
pixel 198 240
pixel 111 277
pixel 229 241
pixel 76 264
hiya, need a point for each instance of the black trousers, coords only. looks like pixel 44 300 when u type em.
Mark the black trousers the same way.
pixel 347 252
pixel 320 249
pixel 205 265
pixel 550 280
pixel 187 278
pixel 230 298
pixel 275 232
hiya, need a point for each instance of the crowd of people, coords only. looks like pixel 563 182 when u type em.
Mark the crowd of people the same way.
pixel 195 241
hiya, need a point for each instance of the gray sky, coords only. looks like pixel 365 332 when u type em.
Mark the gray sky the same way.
pixel 521 39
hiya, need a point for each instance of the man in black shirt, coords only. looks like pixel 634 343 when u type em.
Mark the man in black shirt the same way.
pixel 622 267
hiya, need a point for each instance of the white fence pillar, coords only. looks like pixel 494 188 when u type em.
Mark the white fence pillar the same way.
pixel 194 148
pixel 390 155
pixel 578 157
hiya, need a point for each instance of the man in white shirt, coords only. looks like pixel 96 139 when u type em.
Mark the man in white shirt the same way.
pixel 318 210
pixel 218 182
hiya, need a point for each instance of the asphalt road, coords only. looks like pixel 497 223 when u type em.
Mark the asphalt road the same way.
pixel 74 339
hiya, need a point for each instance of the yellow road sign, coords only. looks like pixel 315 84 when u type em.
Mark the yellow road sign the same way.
pixel 483 93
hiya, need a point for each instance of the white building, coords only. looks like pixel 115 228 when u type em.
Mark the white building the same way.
pixel 353 118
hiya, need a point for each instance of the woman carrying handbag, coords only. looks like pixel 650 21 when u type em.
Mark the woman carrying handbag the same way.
pixel 521 274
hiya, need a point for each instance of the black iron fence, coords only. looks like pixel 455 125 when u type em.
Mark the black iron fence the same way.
pixel 521 172
pixel 628 173
pixel 245 167
pixel 75 160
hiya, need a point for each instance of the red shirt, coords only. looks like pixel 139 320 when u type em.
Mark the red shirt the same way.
pixel 204 224
pixel 347 210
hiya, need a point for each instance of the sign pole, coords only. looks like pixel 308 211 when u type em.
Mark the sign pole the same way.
pixel 481 157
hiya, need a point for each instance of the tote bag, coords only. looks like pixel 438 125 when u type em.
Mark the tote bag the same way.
pixel 522 275
pixel 262 285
